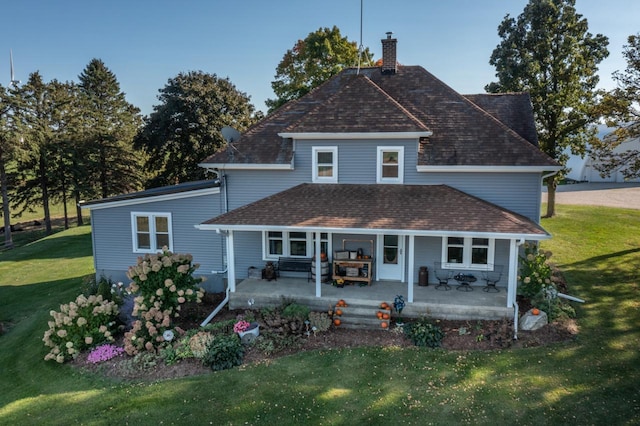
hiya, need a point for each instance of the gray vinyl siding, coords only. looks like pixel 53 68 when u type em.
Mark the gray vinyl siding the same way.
pixel 113 245
pixel 357 162
pixel 428 250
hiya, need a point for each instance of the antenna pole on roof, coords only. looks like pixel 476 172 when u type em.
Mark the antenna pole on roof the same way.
pixel 360 47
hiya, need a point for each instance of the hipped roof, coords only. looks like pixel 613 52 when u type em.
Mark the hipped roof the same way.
pixel 409 209
pixel 463 132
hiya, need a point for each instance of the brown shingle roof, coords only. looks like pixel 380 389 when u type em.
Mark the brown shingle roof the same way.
pixel 463 133
pixel 513 109
pixel 418 208
pixel 359 106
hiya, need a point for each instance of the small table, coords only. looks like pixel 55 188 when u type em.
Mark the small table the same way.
pixel 465 280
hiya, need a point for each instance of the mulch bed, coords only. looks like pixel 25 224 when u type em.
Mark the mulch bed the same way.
pixel 459 336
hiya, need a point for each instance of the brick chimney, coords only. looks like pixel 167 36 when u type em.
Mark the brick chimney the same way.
pixel 389 61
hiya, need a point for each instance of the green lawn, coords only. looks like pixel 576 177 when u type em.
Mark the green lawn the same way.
pixel 594 380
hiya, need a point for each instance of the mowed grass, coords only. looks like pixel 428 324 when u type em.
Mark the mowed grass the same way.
pixel 593 380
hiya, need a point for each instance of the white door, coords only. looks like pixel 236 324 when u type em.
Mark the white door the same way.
pixel 390 259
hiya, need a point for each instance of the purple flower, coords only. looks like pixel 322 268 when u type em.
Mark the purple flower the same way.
pixel 104 353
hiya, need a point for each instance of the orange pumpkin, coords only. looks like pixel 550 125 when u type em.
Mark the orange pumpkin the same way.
pixel 337 322
pixel 338 312
pixel 384 305
pixel 323 256
pixel 341 302
pixel 385 316
pixel 379 315
pixel 384 324
pixel 535 311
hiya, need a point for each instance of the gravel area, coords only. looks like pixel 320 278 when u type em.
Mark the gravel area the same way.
pixel 624 195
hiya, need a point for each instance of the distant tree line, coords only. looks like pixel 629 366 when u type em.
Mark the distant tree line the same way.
pixel 63 142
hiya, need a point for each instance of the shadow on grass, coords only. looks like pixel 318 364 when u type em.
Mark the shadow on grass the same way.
pixel 55 246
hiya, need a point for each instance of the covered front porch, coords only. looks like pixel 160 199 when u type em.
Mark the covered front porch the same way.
pixel 427 300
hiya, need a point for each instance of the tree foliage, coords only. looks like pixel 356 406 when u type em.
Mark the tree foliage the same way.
pixel 623 108
pixel 549 52
pixel 110 124
pixel 312 61
pixel 185 127
pixel 41 116
pixel 6 156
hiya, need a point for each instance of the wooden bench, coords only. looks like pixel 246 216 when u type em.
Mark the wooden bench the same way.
pixel 294 264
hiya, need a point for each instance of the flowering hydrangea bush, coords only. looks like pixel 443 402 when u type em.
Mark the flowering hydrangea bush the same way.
pixel 104 353
pixel 535 271
pixel 162 283
pixel 79 325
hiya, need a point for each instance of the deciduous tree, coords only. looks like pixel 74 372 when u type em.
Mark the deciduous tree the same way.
pixel 311 62
pixel 185 127
pixel 623 108
pixel 549 52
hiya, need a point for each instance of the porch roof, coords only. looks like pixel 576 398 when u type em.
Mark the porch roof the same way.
pixel 360 208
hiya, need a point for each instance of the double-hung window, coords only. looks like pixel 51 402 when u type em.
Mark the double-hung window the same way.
pixel 390 164
pixel 151 232
pixel 468 252
pixel 325 164
pixel 292 244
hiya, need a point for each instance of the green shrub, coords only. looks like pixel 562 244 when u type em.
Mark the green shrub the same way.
pixel 297 311
pixel 81 324
pixel 423 333
pixel 225 351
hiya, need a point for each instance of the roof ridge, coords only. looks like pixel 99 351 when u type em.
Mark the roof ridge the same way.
pixel 350 84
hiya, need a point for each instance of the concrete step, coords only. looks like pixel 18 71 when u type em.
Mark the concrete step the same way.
pixel 362 316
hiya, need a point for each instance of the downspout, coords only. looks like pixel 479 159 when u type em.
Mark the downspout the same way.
pixel 218 309
pixel 516 309
pixel 224 301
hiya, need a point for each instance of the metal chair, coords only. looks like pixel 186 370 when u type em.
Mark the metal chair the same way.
pixel 443 276
pixel 492 278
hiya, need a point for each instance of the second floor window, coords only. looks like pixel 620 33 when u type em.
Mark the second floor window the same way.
pixel 390 167
pixel 325 164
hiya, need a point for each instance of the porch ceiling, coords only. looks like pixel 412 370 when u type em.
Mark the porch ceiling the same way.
pixel 415 209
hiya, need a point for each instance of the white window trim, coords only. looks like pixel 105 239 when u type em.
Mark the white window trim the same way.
pixel 400 151
pixel 152 231
pixel 466 253
pixel 324 179
pixel 286 240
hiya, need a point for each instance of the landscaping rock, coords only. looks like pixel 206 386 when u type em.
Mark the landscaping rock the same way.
pixel 530 322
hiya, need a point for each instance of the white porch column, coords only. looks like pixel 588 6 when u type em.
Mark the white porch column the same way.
pixel 513 273
pixel 231 263
pixel 318 265
pixel 411 268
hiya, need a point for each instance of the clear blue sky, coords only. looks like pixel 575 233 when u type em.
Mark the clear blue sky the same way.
pixel 147 42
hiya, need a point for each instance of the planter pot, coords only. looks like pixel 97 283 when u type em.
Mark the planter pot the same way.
pixel 250 334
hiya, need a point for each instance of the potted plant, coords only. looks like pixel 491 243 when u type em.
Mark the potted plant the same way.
pixel 247 331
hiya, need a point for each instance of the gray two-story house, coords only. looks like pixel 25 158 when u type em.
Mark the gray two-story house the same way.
pixel 385 163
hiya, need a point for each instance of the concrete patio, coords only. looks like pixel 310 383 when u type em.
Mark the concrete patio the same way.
pixel 452 304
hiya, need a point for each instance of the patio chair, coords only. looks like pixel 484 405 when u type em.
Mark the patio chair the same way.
pixel 443 276
pixel 492 278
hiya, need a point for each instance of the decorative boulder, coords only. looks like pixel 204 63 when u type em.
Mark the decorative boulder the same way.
pixel 530 322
